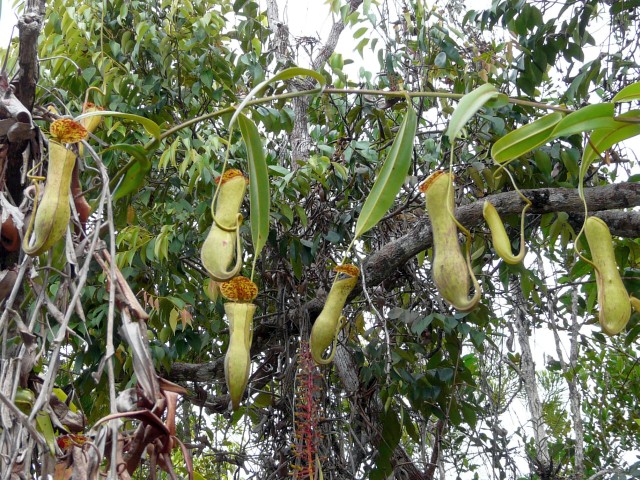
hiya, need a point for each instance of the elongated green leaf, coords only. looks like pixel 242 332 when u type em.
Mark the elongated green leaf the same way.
pixel 632 116
pixel 391 176
pixel 283 75
pixel 591 117
pixel 603 139
pixel 259 195
pixel 133 179
pixel 134 172
pixel 136 151
pixel 149 125
pixel 44 425
pixel 468 107
pixel 525 139
pixel 628 93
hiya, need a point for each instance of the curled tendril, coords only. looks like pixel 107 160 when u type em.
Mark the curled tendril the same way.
pixel 223 243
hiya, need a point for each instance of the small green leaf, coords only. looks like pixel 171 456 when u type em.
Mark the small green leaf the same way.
pixel 525 139
pixel 421 325
pixel 409 427
pixel 440 60
pixel 391 176
pixel 135 171
pixel 543 161
pixel 43 422
pixel 628 93
pixel 444 374
pixel 150 126
pixel 360 32
pixel 161 243
pixel 587 118
pixel 468 107
pixel 173 319
pixel 469 414
pixel 259 195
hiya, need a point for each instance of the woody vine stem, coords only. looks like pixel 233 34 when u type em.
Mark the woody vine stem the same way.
pixel 348 91
pixel 323 91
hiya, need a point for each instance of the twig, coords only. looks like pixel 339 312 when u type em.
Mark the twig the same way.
pixel 110 350
pixel 52 369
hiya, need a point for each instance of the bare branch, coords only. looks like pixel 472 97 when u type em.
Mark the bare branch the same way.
pixel 332 40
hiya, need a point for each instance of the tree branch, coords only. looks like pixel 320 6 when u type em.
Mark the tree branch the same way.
pixel 332 40
pixel 29 26
pixel 196 372
pixel 542 458
pixel 300 139
pixel 280 31
pixel 381 264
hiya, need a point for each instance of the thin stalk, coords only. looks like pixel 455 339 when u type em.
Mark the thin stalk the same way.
pixel 348 91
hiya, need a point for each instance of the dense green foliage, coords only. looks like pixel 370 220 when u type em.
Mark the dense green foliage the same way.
pixel 443 385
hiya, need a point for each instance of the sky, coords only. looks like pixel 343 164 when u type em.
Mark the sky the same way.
pixel 7 20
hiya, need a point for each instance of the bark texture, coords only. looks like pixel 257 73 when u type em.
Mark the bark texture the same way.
pixel 300 139
pixel 29 25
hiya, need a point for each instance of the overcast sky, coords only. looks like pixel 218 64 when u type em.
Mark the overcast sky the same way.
pixel 7 20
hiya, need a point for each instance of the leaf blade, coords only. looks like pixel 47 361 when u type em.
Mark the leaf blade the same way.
pixel 259 195
pixel 135 174
pixel 150 126
pixel 133 179
pixel 603 139
pixel 391 176
pixel 524 139
pixel 628 93
pixel 591 117
pixel 468 106
pixel 286 74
